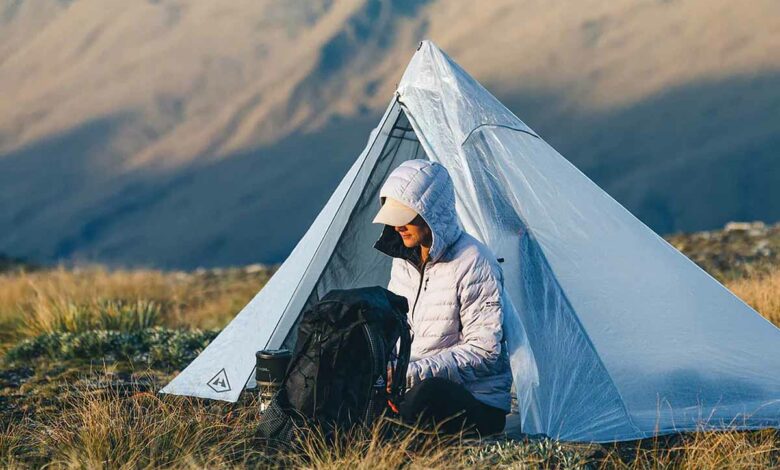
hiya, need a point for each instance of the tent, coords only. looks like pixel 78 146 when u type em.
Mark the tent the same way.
pixel 615 335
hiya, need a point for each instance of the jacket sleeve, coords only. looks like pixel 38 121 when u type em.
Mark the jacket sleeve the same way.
pixel 481 318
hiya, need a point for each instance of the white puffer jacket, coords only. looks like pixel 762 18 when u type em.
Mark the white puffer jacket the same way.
pixel 455 309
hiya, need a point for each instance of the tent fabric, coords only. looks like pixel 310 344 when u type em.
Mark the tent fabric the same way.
pixel 335 253
pixel 615 336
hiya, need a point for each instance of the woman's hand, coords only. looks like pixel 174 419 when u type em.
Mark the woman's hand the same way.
pixel 390 371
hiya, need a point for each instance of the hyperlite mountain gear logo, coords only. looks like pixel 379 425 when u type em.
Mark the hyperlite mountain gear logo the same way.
pixel 219 383
pixel 380 382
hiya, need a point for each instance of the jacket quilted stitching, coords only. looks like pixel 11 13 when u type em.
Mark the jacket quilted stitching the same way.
pixel 455 310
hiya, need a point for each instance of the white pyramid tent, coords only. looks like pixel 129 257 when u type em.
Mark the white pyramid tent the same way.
pixel 617 335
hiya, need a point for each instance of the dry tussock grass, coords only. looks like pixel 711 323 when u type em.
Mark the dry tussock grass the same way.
pixel 137 429
pixel 31 303
pixel 704 451
pixel 731 450
pixel 371 449
pixel 142 430
pixel 761 293
pixel 112 429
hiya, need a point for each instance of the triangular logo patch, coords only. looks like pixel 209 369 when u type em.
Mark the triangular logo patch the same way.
pixel 219 383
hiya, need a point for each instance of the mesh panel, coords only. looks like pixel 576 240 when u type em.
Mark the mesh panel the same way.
pixel 355 263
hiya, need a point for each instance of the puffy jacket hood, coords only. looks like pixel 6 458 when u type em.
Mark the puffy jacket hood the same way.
pixel 427 188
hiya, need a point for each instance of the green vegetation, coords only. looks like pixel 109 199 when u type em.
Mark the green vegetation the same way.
pixel 109 331
pixel 100 314
pixel 157 347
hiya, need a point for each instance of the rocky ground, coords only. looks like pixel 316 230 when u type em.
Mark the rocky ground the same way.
pixel 740 249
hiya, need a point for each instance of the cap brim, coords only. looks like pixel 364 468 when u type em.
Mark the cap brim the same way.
pixel 394 214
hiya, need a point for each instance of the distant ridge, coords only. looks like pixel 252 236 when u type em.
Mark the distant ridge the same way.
pixel 8 263
pixel 173 134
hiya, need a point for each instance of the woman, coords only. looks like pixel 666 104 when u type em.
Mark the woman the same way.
pixel 459 373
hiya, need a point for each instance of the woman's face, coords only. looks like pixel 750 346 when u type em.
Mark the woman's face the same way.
pixel 415 233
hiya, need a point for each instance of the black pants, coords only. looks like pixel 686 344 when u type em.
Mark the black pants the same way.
pixel 438 401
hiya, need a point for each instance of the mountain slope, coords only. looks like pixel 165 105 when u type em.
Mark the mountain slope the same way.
pixel 177 133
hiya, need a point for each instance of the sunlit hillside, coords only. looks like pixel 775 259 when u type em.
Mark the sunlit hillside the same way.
pixel 175 133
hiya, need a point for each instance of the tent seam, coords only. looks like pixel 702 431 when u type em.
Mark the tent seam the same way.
pixel 373 170
pixel 504 126
pixel 341 204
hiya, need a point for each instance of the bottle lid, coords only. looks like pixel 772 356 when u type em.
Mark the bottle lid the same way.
pixel 273 354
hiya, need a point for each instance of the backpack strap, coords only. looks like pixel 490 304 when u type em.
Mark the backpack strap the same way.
pixel 398 387
pixel 376 347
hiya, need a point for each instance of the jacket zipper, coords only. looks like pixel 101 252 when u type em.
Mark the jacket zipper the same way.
pixel 419 288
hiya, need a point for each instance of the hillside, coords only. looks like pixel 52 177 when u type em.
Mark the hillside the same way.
pixel 738 250
pixel 178 134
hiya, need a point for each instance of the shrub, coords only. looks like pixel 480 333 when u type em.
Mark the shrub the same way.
pixel 156 347
pixel 60 299
pixel 56 316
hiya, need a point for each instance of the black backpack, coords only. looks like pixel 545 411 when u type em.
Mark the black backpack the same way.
pixel 336 378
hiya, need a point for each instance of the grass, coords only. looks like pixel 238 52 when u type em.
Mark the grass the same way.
pixel 61 316
pixel 117 427
pixel 63 300
pixel 85 352
pixel 761 292
pixel 130 428
pixel 157 347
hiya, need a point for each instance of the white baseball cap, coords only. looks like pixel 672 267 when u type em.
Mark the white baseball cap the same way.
pixel 394 213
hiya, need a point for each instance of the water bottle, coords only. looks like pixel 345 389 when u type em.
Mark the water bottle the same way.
pixel 270 368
